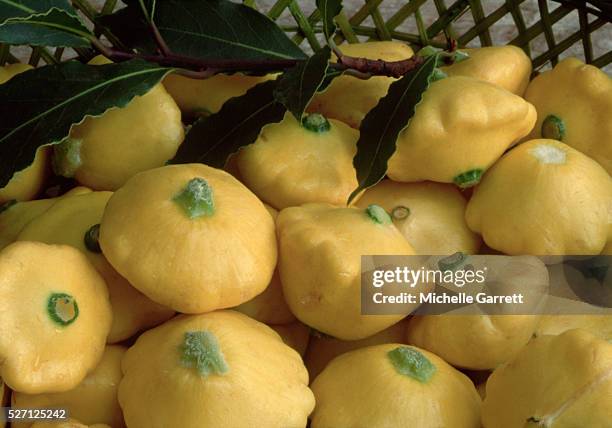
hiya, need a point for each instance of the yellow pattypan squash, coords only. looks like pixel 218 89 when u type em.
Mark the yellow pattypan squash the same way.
pixel 206 96
pixel 93 401
pixel 14 216
pixel 483 340
pixel 560 381
pixel 322 348
pixel 574 104
pixel 507 66
pixel 270 306
pixel 394 385
pixel 54 317
pixel 104 152
pixel 349 98
pixel 598 325
pixel 27 183
pixel 5 395
pixel 190 237
pixel 460 128
pixel 295 335
pixel 429 215
pixel 74 221
pixel 543 198
pixel 292 164
pixel 221 369
pixel 320 265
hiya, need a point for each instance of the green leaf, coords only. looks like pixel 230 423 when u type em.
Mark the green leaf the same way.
pixel 41 23
pixel 329 10
pixel 382 125
pixel 297 86
pixel 211 30
pixel 213 139
pixel 34 115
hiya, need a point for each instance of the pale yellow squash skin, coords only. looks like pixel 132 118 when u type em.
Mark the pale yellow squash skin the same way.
pixel 362 389
pixel 581 96
pixel 70 423
pixel 124 141
pixel 66 223
pixel 320 266
pixel 436 220
pixel 206 96
pixel 544 198
pixel 270 306
pixel 190 265
pixel 265 385
pixel 349 98
pixel 289 165
pixel 508 67
pixel 478 342
pixel 93 401
pixel 563 381
pixel 38 354
pixel 27 183
pixel 598 325
pixel 322 349
pixel 14 218
pixel 295 335
pixel 460 125
pixel 607 251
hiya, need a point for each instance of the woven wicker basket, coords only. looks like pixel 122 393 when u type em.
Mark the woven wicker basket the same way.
pixel 562 28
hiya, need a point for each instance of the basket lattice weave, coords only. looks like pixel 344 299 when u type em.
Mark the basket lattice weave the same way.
pixel 470 22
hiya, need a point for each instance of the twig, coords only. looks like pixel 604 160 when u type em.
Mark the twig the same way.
pixel 379 67
pixel 159 40
pixel 334 47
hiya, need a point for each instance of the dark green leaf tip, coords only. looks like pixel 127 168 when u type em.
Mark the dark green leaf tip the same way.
pixel 452 262
pixel 6 205
pixel 410 362
pixel 196 199
pixel 469 178
pixel 200 350
pixel 67 157
pixel 400 212
pixel 378 214
pixel 553 127
pixel 91 239
pixel 62 308
pixel 316 122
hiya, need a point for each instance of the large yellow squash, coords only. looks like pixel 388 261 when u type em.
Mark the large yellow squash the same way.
pixel 598 325
pixel 555 381
pixel 54 317
pixel 93 401
pixel 221 369
pixel 27 183
pixel 206 96
pixel 460 128
pixel 574 104
pixel 320 265
pixel 74 221
pixel 322 348
pixel 14 216
pixel 292 164
pixel 349 98
pixel 190 237
pixel 508 67
pixel 431 216
pixel 104 152
pixel 543 198
pixel 391 386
